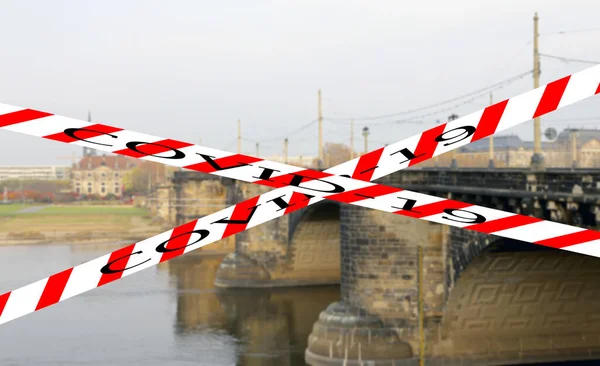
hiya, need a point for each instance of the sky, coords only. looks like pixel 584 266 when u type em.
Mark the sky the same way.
pixel 188 70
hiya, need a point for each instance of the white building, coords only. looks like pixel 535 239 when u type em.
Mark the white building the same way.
pixel 34 172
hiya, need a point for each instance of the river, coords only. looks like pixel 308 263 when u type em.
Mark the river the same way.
pixel 165 315
pixel 171 314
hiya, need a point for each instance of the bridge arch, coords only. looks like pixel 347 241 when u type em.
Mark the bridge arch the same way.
pixel 517 302
pixel 463 247
pixel 314 241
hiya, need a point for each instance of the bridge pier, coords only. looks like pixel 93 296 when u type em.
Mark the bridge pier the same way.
pixel 376 321
pixel 300 249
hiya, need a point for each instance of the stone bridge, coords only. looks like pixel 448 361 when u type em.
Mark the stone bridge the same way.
pixel 485 300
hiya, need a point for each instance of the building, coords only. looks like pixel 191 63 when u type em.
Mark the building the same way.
pixel 581 147
pixel 572 147
pixel 34 172
pixel 100 175
pixel 88 151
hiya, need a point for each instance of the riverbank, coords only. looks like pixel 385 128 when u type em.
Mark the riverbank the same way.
pixel 27 225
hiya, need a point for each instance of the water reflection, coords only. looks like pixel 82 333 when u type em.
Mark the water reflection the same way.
pixel 172 315
pixel 267 326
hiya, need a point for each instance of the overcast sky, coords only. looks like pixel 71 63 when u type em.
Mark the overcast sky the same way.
pixel 189 69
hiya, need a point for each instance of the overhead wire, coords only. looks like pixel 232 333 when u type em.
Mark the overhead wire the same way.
pixel 591 118
pixel 478 91
pixel 288 135
pixel 568 59
pixel 348 123
pixel 230 145
pixel 571 31
pixel 434 112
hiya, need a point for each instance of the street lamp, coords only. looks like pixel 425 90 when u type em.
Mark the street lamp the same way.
pixel 365 133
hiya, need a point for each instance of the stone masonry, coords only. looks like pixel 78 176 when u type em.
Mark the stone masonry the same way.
pixel 376 321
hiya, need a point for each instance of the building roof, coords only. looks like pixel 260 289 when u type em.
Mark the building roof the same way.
pixel 505 142
pixel 514 142
pixel 113 162
pixel 583 136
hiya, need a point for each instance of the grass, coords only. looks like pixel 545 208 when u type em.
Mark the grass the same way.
pixel 59 223
pixel 73 219
pixel 91 210
pixel 12 208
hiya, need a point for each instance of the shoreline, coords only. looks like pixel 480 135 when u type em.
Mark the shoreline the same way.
pixel 40 242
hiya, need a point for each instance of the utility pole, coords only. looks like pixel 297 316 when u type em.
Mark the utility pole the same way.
pixel 421 314
pixel 454 164
pixel 491 164
pixel 365 133
pixel 537 160
pixel 257 146
pixel 239 139
pixel 320 130
pixel 352 139
pixel 285 150
pixel 574 148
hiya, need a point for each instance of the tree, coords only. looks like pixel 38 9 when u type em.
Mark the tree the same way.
pixel 136 180
pixel 335 154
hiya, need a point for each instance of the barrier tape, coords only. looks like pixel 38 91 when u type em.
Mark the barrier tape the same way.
pixel 351 175
pixel 273 204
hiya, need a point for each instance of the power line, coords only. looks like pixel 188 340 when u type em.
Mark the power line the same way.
pixel 230 145
pixel 575 125
pixel 567 59
pixel 434 112
pixel 591 118
pixel 294 139
pixel 479 91
pixel 303 127
pixel 398 121
pixel 571 31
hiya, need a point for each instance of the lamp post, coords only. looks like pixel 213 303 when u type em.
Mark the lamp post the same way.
pixel 537 159
pixel 491 147
pixel 365 133
pixel 454 164
pixel 574 148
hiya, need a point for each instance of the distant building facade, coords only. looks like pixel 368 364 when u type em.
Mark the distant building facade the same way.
pixel 572 147
pixel 100 175
pixel 34 172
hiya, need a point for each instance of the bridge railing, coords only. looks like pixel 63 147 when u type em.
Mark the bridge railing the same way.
pixel 564 181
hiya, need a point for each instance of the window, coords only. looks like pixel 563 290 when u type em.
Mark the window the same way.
pixel 89 175
pixel 103 189
pixel 117 188
pixel 89 189
pixel 116 174
pixel 77 190
pixel 103 175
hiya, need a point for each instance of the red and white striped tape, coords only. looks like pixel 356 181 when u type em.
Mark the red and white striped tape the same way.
pixel 255 211
pixel 376 164
pixel 252 212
